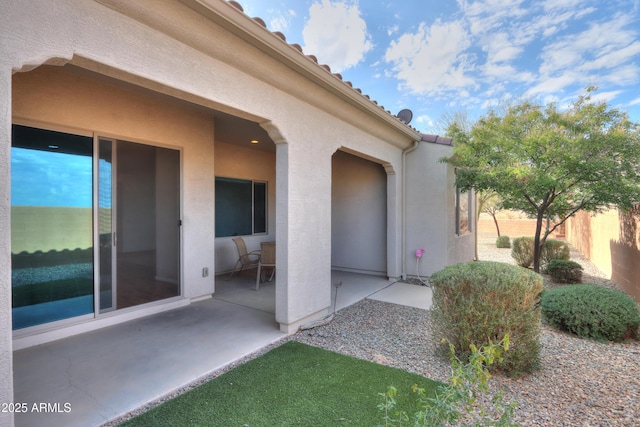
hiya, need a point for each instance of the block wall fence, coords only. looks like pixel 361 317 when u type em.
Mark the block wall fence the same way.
pixel 610 240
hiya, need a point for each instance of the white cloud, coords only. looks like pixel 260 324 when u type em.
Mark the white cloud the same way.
pixel 634 102
pixel 432 60
pixel 485 16
pixel 552 5
pixel 498 71
pixel 600 43
pixel 614 58
pixel 424 119
pixel 553 85
pixel 605 51
pixel 347 42
pixel 279 23
pixel 510 34
pixel 497 42
pixel 624 75
pixel 500 47
pixel 490 103
pixel 501 55
pixel 599 97
pixel 544 24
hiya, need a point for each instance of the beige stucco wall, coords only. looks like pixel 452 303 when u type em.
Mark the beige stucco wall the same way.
pixel 611 241
pixel 232 161
pixel 592 236
pixel 6 337
pixel 430 212
pixel 359 215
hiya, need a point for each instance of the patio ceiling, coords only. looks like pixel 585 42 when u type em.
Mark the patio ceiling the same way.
pixel 238 131
pixel 228 128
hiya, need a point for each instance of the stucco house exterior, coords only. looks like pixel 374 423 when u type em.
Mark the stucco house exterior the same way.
pixel 147 133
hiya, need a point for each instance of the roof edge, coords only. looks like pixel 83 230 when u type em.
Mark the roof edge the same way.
pixel 436 139
pixel 230 15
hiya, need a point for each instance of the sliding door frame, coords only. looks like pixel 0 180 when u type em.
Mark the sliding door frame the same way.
pixel 115 141
pixel 99 268
pixel 113 311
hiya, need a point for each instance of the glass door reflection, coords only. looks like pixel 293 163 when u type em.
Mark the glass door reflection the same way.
pixel 69 191
pixel 106 233
pixel 51 226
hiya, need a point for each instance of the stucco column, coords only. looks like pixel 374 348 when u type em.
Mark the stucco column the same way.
pixel 6 344
pixel 394 223
pixel 303 235
pixel 282 231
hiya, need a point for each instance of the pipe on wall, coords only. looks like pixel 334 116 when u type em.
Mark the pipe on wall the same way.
pixel 405 152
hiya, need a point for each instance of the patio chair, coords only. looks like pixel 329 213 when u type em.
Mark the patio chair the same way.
pixel 246 260
pixel 268 259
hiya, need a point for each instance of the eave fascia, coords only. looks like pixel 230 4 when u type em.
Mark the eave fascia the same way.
pixel 235 21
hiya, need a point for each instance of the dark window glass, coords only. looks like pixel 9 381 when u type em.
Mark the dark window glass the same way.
pixel 259 207
pixel 241 207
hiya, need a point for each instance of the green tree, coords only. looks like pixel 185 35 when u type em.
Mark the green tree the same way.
pixel 489 203
pixel 551 163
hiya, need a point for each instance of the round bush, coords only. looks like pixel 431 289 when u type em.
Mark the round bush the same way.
pixel 591 311
pixel 503 242
pixel 475 302
pixel 553 249
pixel 522 251
pixel 563 271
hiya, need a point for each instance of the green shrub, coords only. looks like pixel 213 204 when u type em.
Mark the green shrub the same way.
pixel 503 242
pixel 522 251
pixel 553 249
pixel 591 311
pixel 461 398
pixel 479 302
pixel 563 271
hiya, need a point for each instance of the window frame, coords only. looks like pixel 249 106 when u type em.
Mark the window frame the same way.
pixel 256 229
pixel 458 208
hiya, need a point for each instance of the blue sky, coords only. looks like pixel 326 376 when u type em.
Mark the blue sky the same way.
pixel 44 178
pixel 443 57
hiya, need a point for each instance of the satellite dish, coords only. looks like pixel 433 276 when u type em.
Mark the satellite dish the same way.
pixel 405 116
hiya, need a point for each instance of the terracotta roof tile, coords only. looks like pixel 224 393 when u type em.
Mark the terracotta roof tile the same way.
pixel 236 5
pixel 260 21
pixel 437 139
pixel 313 58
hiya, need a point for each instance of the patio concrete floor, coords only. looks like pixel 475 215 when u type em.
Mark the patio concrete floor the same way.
pixel 104 374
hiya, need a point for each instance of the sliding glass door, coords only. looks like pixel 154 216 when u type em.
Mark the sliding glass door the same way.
pixel 51 226
pixel 95 226
pixel 141 213
pixel 106 227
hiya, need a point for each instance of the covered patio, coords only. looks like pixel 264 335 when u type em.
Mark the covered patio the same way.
pixel 91 378
pixel 347 288
pixel 164 137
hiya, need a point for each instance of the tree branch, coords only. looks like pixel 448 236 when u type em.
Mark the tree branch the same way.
pixel 566 217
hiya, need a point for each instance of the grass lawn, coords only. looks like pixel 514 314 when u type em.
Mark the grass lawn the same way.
pixel 292 385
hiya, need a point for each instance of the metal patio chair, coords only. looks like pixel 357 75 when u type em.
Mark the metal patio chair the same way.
pixel 246 260
pixel 267 259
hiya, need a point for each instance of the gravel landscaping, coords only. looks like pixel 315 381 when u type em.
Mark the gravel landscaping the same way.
pixel 28 276
pixel 580 383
